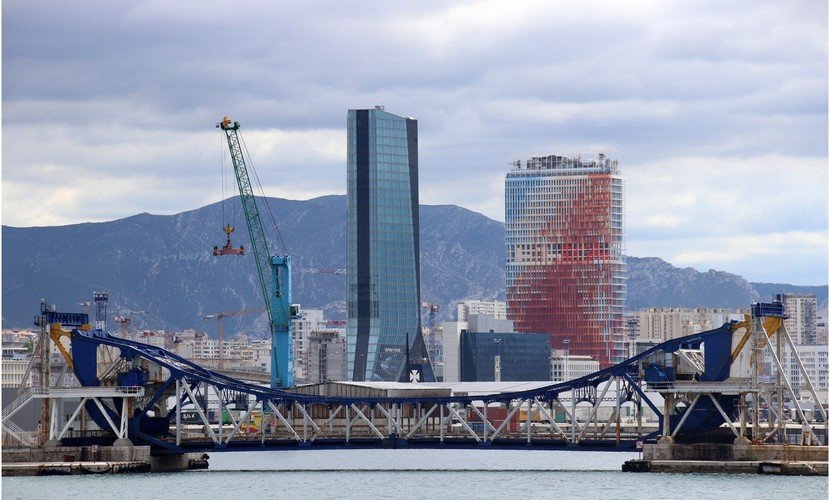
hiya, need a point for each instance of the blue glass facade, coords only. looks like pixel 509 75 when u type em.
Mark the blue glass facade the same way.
pixel 508 357
pixel 383 247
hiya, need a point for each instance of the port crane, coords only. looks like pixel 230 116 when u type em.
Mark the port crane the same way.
pixel 273 271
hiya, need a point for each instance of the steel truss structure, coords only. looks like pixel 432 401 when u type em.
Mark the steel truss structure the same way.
pixel 155 397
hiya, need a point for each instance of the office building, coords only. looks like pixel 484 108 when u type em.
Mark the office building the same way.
pixel 495 308
pixel 383 252
pixel 485 348
pixel 504 357
pixel 564 240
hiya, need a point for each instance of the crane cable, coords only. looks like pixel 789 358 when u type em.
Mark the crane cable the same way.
pixel 278 237
pixel 224 171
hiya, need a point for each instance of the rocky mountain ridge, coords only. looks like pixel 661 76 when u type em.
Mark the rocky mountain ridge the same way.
pixel 162 265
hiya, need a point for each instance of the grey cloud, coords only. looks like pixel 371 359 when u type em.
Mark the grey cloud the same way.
pixel 130 90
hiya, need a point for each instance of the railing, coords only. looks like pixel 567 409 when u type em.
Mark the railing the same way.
pixel 12 432
pixel 17 403
pixel 90 391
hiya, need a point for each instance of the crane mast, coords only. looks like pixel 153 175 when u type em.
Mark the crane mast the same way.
pixel 274 272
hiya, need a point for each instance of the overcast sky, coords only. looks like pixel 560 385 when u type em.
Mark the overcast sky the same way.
pixel 717 111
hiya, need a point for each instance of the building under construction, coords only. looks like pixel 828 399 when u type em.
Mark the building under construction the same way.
pixel 564 236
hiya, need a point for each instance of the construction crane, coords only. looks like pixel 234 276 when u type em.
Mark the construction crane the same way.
pixel 85 305
pixel 433 309
pixel 273 271
pixel 220 327
pixel 124 321
pixel 124 318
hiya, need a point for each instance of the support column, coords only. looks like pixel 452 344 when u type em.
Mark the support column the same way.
pixel 618 409
pixel 348 424
pixel 573 416
pixel 668 405
pixel 486 420
pixel 178 413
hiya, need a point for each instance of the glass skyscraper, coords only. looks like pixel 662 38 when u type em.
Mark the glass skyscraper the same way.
pixel 564 241
pixel 383 248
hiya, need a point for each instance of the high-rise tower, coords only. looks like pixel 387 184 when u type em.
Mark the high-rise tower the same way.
pixel 383 248
pixel 564 241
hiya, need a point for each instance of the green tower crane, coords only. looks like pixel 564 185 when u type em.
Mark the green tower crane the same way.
pixel 274 271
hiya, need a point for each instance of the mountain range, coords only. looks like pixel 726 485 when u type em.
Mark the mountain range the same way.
pixel 161 270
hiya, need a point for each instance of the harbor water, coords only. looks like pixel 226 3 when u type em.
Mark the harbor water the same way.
pixel 416 474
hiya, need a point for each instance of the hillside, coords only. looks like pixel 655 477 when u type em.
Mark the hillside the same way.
pixel 162 264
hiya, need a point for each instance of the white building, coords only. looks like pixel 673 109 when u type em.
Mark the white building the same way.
pixel 494 308
pixel 814 358
pixel 13 370
pixel 564 367
pixel 821 330
pixel 261 355
pixel 309 320
pixel 801 309
pixel 325 357
pixel 666 323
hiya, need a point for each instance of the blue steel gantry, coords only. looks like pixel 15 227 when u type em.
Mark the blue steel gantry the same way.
pixel 698 387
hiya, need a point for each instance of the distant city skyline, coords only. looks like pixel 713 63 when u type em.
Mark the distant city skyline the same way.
pixel 108 110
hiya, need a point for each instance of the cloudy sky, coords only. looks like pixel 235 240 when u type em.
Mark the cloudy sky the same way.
pixel 716 110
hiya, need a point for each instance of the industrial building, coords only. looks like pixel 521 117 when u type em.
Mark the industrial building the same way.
pixel 564 239
pixel 383 253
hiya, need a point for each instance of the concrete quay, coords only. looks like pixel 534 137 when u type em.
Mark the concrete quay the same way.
pixel 786 460
pixel 65 460
pixel 71 468
pixel 735 452
pixel 775 467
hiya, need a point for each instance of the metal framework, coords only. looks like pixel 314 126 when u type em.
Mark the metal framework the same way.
pixel 155 397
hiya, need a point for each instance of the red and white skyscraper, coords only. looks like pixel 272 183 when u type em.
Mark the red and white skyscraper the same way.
pixel 565 270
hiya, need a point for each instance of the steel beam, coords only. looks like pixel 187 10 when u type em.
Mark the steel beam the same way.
pixel 284 421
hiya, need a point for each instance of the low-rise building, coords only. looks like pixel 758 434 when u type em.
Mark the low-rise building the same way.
pixel 486 348
pixel 565 366
pixel 495 308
